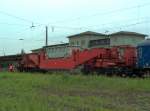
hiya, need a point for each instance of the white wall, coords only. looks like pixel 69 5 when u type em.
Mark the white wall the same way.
pixel 125 40
pixel 85 38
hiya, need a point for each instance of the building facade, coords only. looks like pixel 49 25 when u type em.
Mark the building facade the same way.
pixel 56 51
pixel 88 40
pixel 126 38
pixel 83 39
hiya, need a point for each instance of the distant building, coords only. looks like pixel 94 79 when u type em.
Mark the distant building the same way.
pixel 83 39
pixel 88 40
pixel 126 38
pixel 58 50
pixel 93 39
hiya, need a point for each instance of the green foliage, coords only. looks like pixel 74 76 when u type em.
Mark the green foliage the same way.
pixel 64 92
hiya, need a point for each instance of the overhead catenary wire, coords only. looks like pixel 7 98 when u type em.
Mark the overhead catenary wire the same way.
pixel 100 14
pixel 67 27
pixel 16 17
pixel 76 28
pixel 122 25
pixel 19 18
pixel 11 24
pixel 79 28
pixel 119 27
pixel 19 34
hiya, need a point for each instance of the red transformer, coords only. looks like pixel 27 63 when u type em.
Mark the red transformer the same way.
pixel 100 60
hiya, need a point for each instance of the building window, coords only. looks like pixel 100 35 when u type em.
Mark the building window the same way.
pixel 82 42
pixel 72 43
pixel 52 50
pixel 99 42
pixel 59 48
pixel 56 49
pixel 115 39
pixel 77 43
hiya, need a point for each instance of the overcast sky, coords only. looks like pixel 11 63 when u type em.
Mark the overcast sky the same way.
pixel 66 17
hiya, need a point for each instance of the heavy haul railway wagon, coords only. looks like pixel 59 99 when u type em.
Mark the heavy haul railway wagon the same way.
pixel 101 60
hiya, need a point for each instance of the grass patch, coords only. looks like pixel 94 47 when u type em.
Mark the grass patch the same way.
pixel 61 92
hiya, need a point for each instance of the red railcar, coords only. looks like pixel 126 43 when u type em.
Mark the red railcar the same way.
pixel 102 60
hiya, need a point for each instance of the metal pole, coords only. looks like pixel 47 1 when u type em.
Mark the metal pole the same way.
pixel 4 52
pixel 46 42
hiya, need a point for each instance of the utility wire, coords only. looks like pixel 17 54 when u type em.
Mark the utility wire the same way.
pixel 120 27
pixel 114 22
pixel 136 23
pixel 78 28
pixel 16 17
pixel 91 26
pixel 109 27
pixel 19 18
pixel 102 14
pixel 4 23
pixel 66 27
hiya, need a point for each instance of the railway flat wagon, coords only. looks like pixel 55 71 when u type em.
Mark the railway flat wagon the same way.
pixel 99 60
